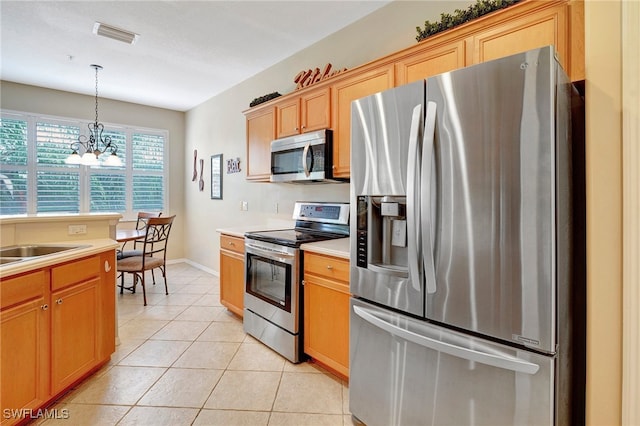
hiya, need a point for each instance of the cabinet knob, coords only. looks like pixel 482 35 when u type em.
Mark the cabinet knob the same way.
pixel 329 267
pixel 59 301
pixel 231 243
pixel 44 307
pixel 107 266
pixel 303 283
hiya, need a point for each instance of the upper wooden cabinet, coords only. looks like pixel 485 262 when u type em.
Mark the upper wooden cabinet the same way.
pixel 523 26
pixel 427 62
pixel 261 130
pixel 355 86
pixel 533 30
pixel 306 113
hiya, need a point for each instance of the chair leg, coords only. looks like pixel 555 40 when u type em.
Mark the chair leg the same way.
pixel 144 293
pixel 164 275
pixel 121 282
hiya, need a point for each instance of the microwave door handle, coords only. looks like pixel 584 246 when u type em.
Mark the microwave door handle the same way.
pixel 425 197
pixel 307 172
pixel 413 201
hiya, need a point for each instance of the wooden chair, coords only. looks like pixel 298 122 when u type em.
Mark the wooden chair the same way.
pixel 153 255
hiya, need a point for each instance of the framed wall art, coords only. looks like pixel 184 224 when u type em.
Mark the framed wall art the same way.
pixel 216 177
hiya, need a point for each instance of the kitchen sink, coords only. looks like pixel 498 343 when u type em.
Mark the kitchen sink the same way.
pixel 5 260
pixel 33 250
pixel 17 253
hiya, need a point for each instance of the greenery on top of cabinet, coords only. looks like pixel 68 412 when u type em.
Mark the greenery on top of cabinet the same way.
pixel 447 21
pixel 265 98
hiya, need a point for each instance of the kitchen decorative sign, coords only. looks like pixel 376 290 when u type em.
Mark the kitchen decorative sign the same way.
pixel 309 77
pixel 233 165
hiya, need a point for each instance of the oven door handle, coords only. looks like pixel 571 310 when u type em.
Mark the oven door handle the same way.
pixel 267 254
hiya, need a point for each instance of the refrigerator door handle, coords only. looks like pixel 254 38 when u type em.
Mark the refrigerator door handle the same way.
pixel 502 361
pixel 305 167
pixel 413 201
pixel 425 198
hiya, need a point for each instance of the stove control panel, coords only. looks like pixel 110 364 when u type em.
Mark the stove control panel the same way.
pixel 337 213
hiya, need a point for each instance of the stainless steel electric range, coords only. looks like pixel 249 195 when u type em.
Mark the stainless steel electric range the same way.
pixel 273 274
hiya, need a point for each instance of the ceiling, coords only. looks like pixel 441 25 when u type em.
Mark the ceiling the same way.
pixel 187 52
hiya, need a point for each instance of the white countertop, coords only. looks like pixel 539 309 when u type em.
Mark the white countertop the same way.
pixel 57 217
pixel 87 248
pixel 338 247
pixel 239 231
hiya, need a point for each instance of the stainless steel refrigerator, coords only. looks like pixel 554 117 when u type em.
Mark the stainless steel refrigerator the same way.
pixel 468 293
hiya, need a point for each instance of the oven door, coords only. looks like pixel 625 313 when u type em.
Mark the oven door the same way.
pixel 271 285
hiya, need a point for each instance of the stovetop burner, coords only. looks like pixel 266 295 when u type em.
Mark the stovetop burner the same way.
pixel 314 222
pixel 291 237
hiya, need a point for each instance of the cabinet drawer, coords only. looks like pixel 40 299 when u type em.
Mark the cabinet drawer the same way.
pixel 22 288
pixel 75 272
pixel 326 266
pixel 230 243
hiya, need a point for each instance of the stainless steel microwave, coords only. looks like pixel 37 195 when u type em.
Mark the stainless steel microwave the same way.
pixel 304 158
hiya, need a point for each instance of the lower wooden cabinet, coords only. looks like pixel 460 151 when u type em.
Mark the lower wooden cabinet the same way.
pixel 24 355
pixel 232 273
pixel 326 311
pixel 57 325
pixel 74 339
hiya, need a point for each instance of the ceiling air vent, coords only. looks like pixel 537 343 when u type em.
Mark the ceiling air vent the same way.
pixel 115 33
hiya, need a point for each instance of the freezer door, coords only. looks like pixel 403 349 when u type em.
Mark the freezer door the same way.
pixel 408 372
pixel 494 232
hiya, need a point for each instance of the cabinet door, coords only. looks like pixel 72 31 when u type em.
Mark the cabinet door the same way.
pixel 430 61
pixel 343 92
pixel 326 322
pixel 232 273
pixel 315 114
pixel 288 121
pixel 261 130
pixel 25 356
pixel 74 332
pixel 537 29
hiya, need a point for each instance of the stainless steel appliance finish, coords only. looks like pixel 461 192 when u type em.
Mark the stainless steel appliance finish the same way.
pixel 273 274
pixel 304 158
pixel 462 192
pixel 271 301
pixel 435 376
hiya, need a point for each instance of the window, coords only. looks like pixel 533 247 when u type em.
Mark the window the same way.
pixel 35 179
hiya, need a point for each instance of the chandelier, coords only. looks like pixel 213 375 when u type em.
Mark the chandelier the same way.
pixel 96 144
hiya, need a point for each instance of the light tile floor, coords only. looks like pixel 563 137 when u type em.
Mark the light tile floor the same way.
pixel 184 359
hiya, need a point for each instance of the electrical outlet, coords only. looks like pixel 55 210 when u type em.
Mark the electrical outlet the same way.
pixel 77 229
pixel 244 206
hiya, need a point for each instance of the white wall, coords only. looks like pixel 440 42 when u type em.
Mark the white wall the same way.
pixel 37 100
pixel 218 126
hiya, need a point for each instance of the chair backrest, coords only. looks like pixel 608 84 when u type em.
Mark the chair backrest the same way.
pixel 144 216
pixel 157 236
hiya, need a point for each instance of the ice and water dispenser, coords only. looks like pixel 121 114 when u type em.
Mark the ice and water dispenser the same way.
pixel 382 234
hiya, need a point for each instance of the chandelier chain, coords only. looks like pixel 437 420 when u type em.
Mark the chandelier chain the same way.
pixel 96 94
